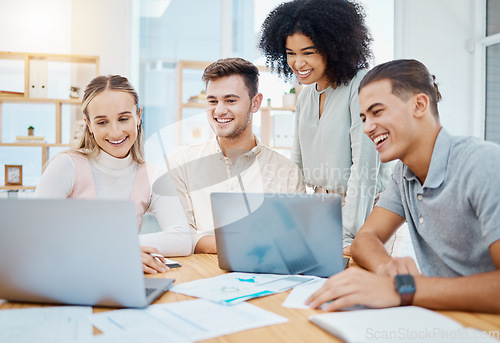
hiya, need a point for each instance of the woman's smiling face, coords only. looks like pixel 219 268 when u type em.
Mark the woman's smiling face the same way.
pixel 113 120
pixel 305 60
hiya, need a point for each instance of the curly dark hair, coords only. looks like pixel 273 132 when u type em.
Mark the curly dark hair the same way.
pixel 336 27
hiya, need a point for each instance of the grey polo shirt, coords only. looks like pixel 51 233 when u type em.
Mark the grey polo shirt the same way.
pixel 455 216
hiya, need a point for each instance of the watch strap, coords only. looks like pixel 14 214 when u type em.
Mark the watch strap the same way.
pixel 406 299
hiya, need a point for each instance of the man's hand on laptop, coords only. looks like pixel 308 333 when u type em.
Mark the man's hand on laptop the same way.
pixel 152 261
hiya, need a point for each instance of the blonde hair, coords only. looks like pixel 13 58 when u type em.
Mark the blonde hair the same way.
pixel 87 144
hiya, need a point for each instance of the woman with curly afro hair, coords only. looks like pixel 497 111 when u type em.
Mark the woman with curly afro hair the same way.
pixel 326 45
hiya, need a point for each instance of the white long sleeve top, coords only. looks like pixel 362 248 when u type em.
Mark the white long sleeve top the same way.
pixel 200 169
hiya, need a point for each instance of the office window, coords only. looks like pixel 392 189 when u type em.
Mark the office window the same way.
pixel 492 17
pixel 206 31
pixel 492 106
pixel 492 126
pixel 195 30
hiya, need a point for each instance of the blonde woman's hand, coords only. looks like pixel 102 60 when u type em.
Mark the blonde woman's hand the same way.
pixel 152 261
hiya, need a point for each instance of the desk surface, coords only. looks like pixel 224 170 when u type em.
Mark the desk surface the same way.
pixel 297 329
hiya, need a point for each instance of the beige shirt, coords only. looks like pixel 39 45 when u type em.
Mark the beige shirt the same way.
pixel 201 169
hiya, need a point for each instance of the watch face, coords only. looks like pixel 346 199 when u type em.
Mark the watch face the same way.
pixel 404 283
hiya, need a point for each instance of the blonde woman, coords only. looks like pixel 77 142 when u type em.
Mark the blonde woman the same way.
pixel 108 164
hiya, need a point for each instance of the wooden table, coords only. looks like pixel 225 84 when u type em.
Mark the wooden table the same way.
pixel 297 329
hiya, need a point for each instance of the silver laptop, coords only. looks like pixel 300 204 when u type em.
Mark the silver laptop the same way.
pixel 279 233
pixel 80 252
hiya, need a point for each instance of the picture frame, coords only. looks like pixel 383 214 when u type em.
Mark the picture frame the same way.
pixel 13 175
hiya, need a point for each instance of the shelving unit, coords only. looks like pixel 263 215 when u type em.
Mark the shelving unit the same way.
pixel 24 97
pixel 266 124
pixel 58 111
pixel 265 111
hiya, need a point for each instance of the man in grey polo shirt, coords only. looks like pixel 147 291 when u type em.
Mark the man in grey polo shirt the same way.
pixel 446 187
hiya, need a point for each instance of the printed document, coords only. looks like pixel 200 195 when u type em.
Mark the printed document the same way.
pixel 233 288
pixel 193 319
pixel 46 324
pixel 135 336
pixel 299 294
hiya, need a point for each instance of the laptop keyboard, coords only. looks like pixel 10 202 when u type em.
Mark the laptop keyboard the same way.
pixel 149 291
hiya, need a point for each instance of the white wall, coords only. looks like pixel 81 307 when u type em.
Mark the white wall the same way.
pixel 88 27
pixel 441 34
pixel 35 26
pixel 103 28
pixel 380 22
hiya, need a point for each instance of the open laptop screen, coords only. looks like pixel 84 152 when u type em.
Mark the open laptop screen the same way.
pixel 279 233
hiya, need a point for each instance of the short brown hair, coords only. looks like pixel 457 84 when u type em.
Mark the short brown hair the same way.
pixel 88 145
pixel 234 66
pixel 407 77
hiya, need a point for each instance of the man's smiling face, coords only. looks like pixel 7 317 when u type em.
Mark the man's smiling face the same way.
pixel 229 107
pixel 388 120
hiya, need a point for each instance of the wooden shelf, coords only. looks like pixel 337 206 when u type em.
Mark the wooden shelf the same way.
pixel 43 146
pixel 29 58
pixel 184 64
pixel 35 144
pixel 193 105
pixel 40 100
pixel 11 55
pixel 17 188
pixel 272 108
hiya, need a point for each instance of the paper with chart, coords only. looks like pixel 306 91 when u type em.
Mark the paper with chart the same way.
pixel 46 324
pixel 233 288
pixel 192 319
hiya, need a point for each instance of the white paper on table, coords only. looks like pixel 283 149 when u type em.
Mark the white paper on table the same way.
pixel 194 319
pixel 398 324
pixel 113 322
pixel 299 294
pixel 134 336
pixel 46 324
pixel 233 288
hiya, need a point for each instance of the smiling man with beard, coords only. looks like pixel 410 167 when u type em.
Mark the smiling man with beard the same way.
pixel 234 160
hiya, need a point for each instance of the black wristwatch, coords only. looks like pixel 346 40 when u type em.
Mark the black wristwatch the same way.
pixel 405 286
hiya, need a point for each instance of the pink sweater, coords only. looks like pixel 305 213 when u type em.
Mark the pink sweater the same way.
pixel 83 186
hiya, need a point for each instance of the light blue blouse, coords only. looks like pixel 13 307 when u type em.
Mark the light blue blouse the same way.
pixel 333 151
